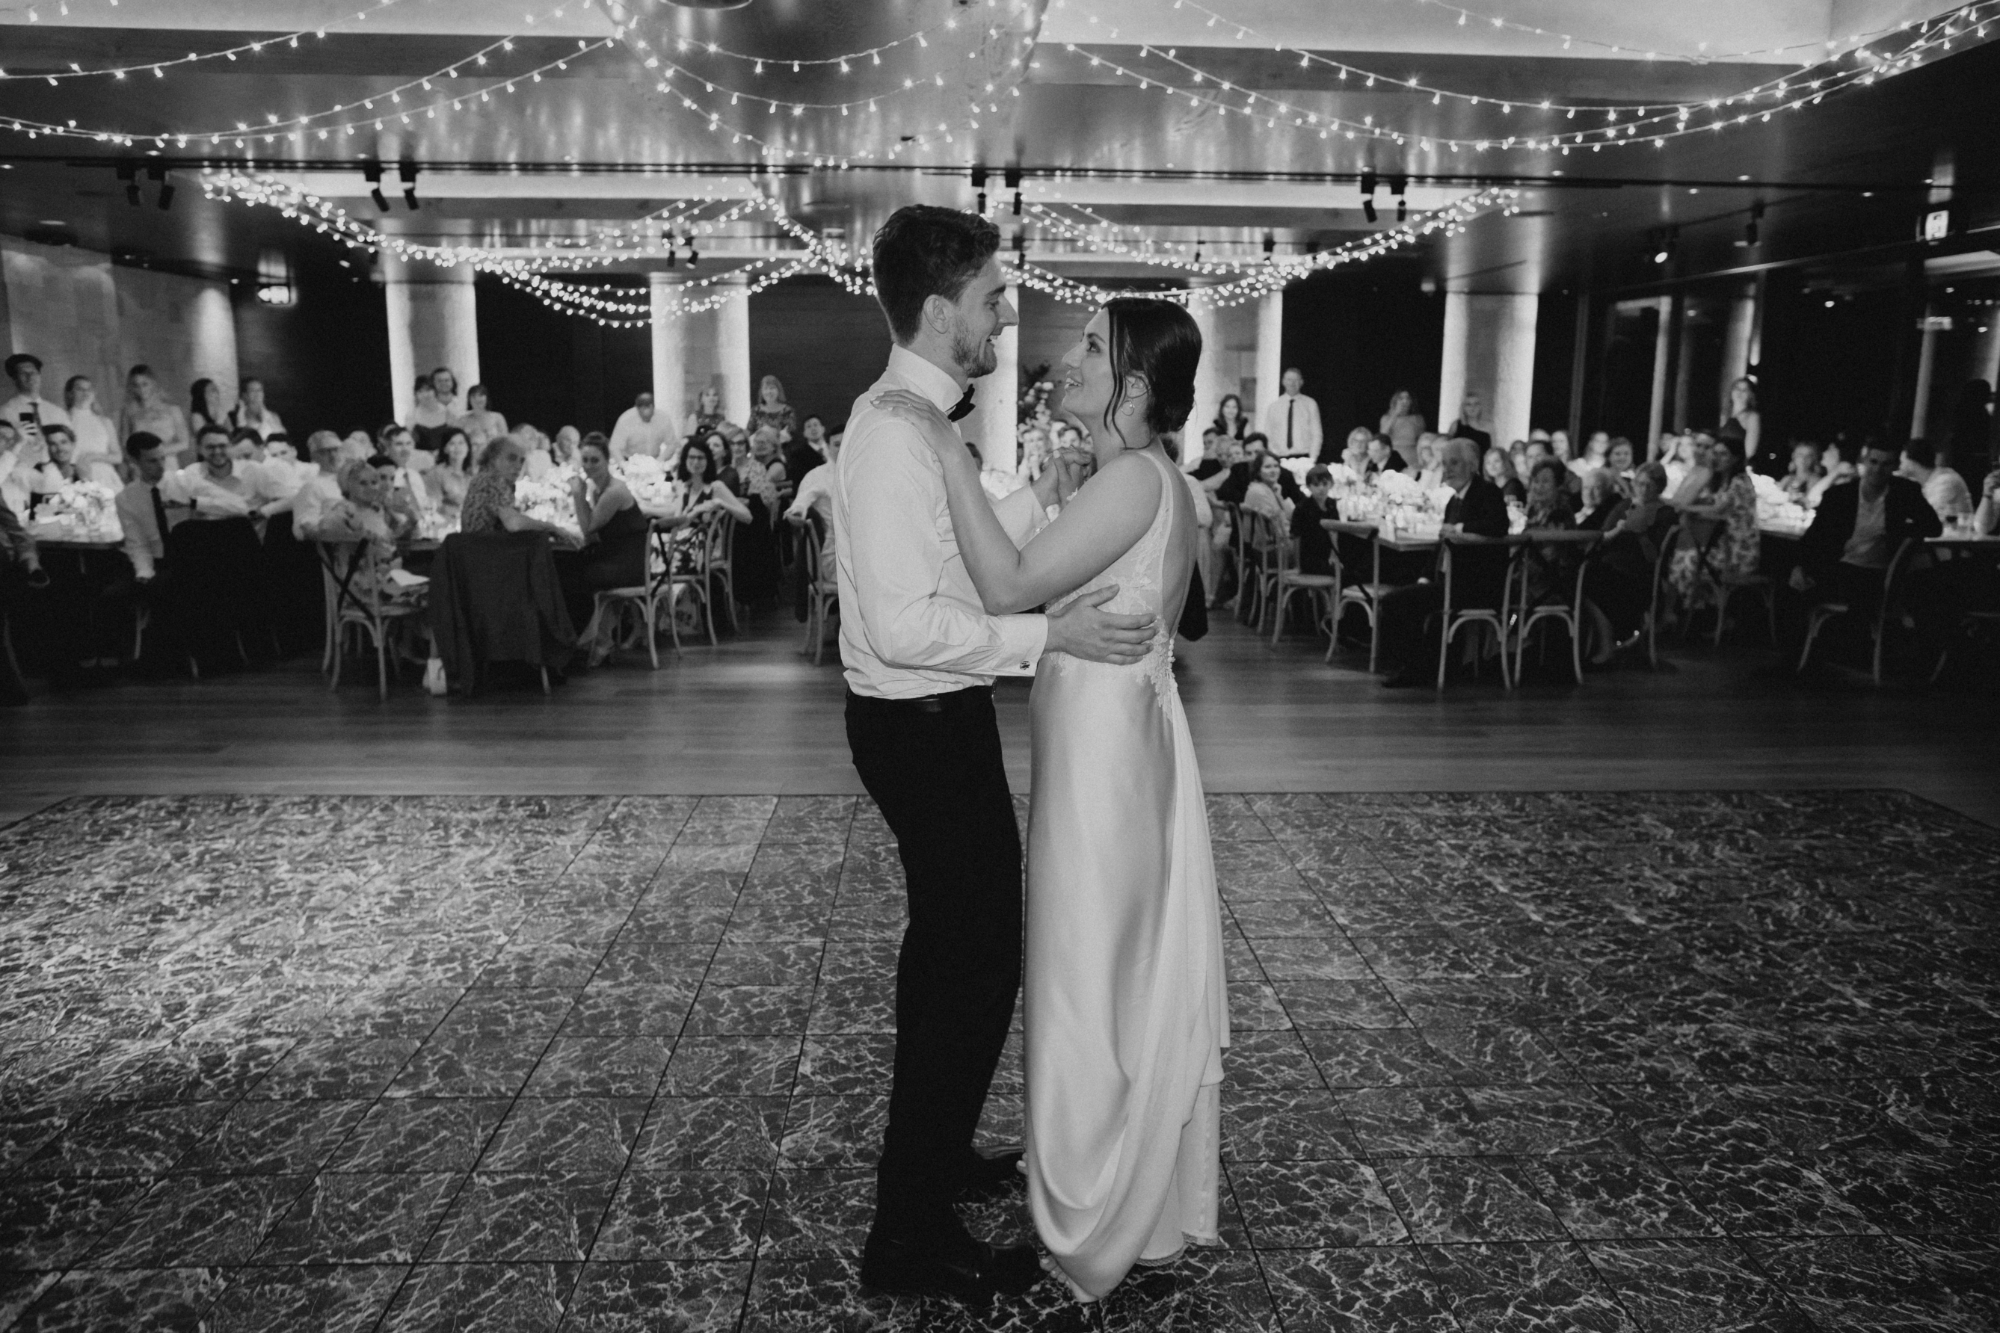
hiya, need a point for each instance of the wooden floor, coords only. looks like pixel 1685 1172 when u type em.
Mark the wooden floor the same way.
pixel 753 716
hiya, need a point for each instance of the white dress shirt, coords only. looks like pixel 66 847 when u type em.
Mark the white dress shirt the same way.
pixel 911 620
pixel 21 408
pixel 634 435
pixel 815 493
pixel 145 545
pixel 266 426
pixel 320 493
pixel 1301 414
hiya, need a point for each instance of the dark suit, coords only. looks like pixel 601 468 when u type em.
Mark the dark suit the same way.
pixel 1410 627
pixel 1905 515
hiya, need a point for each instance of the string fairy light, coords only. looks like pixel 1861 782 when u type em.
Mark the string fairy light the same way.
pixel 1624 127
pixel 379 109
pixel 158 68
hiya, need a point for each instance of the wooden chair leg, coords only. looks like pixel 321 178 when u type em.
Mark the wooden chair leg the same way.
pixel 381 662
pixel 650 613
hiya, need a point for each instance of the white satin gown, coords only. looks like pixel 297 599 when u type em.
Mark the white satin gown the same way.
pixel 1125 1010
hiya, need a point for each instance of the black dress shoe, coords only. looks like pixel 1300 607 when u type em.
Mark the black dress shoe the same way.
pixel 990 1178
pixel 970 1270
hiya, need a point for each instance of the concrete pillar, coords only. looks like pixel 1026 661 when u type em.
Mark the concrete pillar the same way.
pixel 670 398
pixel 1663 346
pixel 433 321
pixel 1212 379
pixel 996 399
pixel 1737 336
pixel 1489 346
pixel 1270 355
pixel 1926 372
pixel 732 349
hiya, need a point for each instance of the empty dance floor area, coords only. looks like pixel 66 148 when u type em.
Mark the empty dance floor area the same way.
pixel 1602 1061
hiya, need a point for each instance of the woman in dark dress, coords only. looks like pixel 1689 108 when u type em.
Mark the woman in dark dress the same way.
pixel 1618 587
pixel 755 552
pixel 614 536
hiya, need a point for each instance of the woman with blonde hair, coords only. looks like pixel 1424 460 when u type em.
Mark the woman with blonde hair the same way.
pixel 772 412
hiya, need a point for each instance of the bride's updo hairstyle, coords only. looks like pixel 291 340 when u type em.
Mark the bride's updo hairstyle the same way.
pixel 1159 340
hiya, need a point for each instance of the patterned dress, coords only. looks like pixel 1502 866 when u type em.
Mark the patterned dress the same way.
pixel 1733 553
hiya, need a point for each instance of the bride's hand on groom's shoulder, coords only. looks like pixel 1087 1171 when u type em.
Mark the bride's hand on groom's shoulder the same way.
pixel 921 412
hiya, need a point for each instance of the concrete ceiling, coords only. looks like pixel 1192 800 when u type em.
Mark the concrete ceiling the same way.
pixel 1068 90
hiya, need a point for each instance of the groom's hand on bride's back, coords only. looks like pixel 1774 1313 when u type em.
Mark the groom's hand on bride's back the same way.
pixel 1084 629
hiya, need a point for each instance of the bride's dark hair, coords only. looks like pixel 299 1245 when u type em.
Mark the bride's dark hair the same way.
pixel 1159 340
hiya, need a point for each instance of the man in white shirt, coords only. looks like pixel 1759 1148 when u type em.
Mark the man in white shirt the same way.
pixel 322 489
pixel 27 411
pixel 1943 487
pixel 641 430
pixel 815 493
pixel 1291 423
pixel 921 654
pixel 400 447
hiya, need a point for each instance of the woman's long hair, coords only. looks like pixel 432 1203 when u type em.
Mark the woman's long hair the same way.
pixel 1160 341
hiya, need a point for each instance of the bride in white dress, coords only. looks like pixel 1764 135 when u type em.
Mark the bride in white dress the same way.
pixel 1126 1012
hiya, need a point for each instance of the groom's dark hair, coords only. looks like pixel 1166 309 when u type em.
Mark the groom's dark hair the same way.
pixel 924 251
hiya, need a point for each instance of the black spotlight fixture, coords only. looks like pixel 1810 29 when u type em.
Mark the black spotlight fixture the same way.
pixel 1270 247
pixel 1368 180
pixel 408 171
pixel 979 185
pixel 1012 179
pixel 1752 230
pixel 1669 242
pixel 1021 246
pixel 1400 186
pixel 129 173
pixel 158 175
pixel 372 173
pixel 694 255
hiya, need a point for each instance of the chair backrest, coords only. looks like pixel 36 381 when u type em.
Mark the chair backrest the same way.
pixel 721 538
pixel 1906 552
pixel 815 545
pixel 1454 548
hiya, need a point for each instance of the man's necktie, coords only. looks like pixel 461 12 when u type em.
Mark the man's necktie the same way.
pixel 1291 405
pixel 962 408
pixel 159 513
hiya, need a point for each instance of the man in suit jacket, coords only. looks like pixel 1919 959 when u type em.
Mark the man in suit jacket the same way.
pixel 1409 624
pixel 1857 530
pixel 1292 420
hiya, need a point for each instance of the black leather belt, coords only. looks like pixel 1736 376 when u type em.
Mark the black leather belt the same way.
pixel 929 703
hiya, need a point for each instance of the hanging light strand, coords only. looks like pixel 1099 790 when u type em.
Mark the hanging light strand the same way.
pixel 158 68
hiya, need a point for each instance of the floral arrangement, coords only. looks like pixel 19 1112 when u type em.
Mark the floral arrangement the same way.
pixel 547 497
pixel 80 510
pixel 656 489
pixel 1776 509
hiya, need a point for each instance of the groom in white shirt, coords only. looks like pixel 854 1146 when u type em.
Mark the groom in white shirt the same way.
pixel 920 655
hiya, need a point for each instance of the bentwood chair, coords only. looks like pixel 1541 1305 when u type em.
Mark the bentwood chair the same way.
pixel 822 587
pixel 722 566
pixel 1288 581
pixel 696 551
pixel 1455 547
pixel 644 598
pixel 1729 586
pixel 1657 592
pixel 1258 559
pixel 353 579
pixel 1534 555
pixel 1824 612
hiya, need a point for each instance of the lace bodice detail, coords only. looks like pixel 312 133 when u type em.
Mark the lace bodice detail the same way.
pixel 1139 574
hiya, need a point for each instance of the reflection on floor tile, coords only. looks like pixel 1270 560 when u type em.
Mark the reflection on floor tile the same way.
pixel 1567 1062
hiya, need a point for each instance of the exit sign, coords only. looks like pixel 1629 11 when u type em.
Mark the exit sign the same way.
pixel 1937 224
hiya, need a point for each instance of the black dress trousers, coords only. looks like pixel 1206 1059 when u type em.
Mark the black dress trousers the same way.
pixel 934 767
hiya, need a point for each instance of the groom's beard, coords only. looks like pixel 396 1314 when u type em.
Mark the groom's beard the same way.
pixel 974 356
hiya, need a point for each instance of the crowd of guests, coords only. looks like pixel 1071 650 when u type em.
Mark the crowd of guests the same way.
pixel 217 513
pixel 1691 497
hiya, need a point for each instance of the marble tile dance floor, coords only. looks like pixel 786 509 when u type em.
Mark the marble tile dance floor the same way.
pixel 1563 1062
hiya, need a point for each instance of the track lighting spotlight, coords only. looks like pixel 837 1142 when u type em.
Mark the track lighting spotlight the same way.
pixel 694 255
pixel 1668 244
pixel 129 173
pixel 1752 230
pixel 372 173
pixel 1270 247
pixel 408 171
pixel 979 185
pixel 159 175
pixel 1399 186
pixel 1368 180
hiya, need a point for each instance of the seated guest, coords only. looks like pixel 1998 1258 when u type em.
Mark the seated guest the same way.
pixel 480 423
pixel 64 467
pixel 613 554
pixel 815 493
pixel 428 416
pixel 1430 473
pixel 1699 448
pixel 400 447
pixel 1942 486
pixel 1221 458
pixel 21 573
pixel 706 493
pixel 361 515
pixel 489 497
pixel 562 448
pixel 1409 623
pixel 765 447
pixel 322 488
pixel 1619 585
pixel 1719 538
pixel 1498 467
pixel 1354 453
pixel 1551 568
pixel 1836 465
pixel 1603 506
pixel 245 445
pixel 1264 494
pixel 214 486
pixel 453 473
pixel 755 553
pixel 1596 451
pixel 1857 530
pixel 1382 457
pixel 807 450
pixel 1804 474
pixel 146 513
pixel 251 414
pixel 1986 518
pixel 1315 542
pixel 640 429
pixel 1620 457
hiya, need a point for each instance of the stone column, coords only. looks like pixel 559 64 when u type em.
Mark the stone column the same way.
pixel 996 399
pixel 1270 355
pixel 670 353
pixel 1211 379
pixel 1663 346
pixel 433 321
pixel 1739 352
pixel 1926 372
pixel 1489 346
pixel 732 351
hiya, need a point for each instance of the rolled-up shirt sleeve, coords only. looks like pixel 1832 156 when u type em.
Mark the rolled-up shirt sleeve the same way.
pixel 898 559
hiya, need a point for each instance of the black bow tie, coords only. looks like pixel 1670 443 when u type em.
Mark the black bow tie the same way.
pixel 962 408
